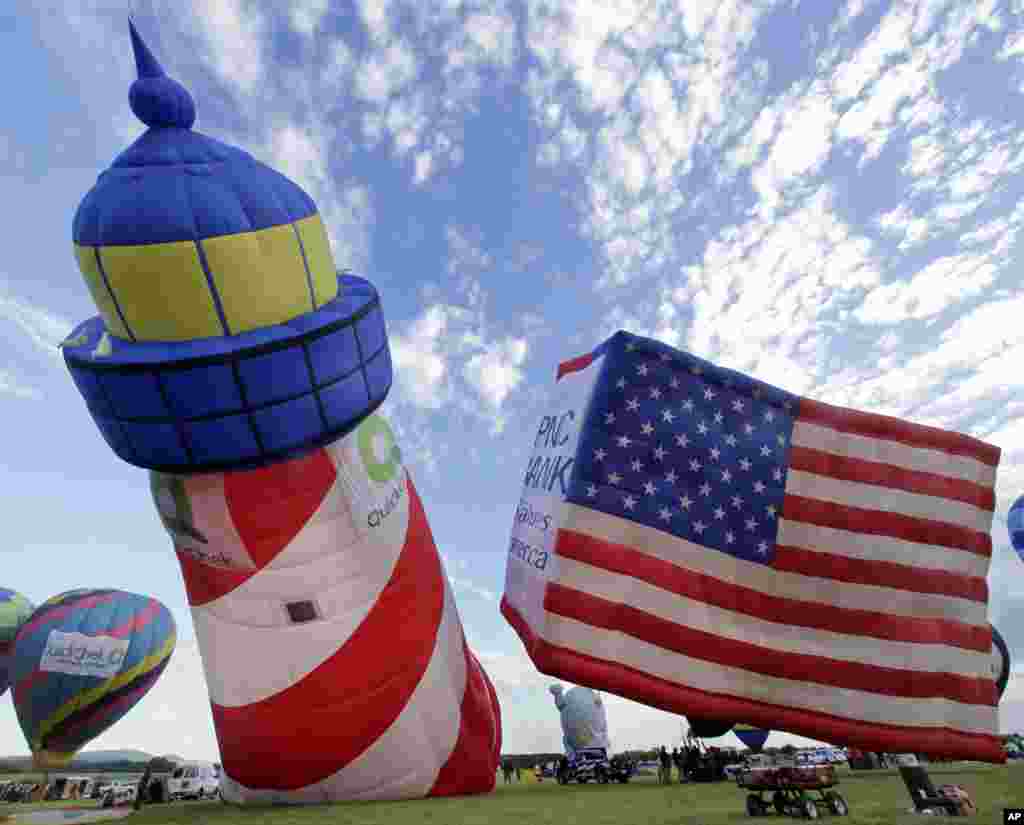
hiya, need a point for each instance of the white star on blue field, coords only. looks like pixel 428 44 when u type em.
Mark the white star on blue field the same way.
pixel 826 196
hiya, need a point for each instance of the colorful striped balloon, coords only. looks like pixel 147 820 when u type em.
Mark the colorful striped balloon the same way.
pixel 14 610
pixel 333 650
pixel 82 660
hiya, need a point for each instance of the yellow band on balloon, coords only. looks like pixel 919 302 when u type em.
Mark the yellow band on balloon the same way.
pixel 88 697
pixel 319 258
pixel 45 760
pixel 161 292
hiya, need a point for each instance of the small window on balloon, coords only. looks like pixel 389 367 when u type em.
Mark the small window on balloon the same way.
pixel 302 612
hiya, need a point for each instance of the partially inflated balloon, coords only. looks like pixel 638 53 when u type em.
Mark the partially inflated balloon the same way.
pixel 753 738
pixel 584 722
pixel 81 662
pixel 1000 661
pixel 708 728
pixel 1015 521
pixel 14 610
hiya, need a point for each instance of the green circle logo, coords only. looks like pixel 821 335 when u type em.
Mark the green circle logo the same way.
pixel 378 449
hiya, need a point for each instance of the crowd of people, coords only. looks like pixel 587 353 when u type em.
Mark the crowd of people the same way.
pixel 690 764
pixel 509 771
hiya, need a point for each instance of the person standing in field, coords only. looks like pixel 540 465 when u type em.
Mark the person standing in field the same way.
pixel 143 784
pixel 666 766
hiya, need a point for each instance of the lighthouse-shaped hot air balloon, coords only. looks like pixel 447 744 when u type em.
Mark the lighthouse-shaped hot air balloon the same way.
pixel 232 361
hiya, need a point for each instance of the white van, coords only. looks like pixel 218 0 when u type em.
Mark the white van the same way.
pixel 194 780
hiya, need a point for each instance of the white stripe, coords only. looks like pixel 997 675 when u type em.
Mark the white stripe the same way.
pixel 867 547
pixel 887 500
pixel 697 559
pixel 786 638
pixel 868 448
pixel 343 578
pixel 695 673
pixel 404 762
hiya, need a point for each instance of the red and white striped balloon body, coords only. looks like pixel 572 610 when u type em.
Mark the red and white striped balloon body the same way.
pixel 334 653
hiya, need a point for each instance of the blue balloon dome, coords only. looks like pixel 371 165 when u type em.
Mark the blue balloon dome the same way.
pixel 1015 522
pixel 225 337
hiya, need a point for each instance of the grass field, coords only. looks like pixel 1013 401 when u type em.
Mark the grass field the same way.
pixel 875 798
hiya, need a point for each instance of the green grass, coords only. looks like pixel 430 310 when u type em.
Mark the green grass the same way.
pixel 875 798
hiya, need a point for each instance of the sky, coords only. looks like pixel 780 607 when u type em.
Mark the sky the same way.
pixel 825 195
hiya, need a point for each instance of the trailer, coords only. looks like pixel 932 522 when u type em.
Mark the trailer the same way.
pixel 792 789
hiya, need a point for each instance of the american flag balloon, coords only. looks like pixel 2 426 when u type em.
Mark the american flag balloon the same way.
pixel 700 541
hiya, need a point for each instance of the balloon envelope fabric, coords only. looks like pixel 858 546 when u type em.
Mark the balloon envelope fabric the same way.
pixel 332 646
pixel 82 661
pixel 1015 522
pixel 753 738
pixel 14 610
pixel 700 541
pixel 233 361
pixel 584 720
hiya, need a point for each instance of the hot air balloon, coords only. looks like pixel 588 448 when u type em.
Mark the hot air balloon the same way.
pixel 14 610
pixel 1015 523
pixel 697 540
pixel 1000 661
pixel 753 738
pixel 584 721
pixel 82 661
pixel 232 361
pixel 707 728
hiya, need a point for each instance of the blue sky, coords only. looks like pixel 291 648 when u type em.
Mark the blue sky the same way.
pixel 825 195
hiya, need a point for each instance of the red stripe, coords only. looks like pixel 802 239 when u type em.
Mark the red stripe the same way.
pixel 801 667
pixel 205 582
pixel 139 620
pixel 617 558
pixel 880 523
pixel 600 674
pixel 826 565
pixel 891 476
pixel 270 505
pixel 574 365
pixel 473 764
pixel 888 428
pixel 336 712
pixel 22 688
pixel 60 612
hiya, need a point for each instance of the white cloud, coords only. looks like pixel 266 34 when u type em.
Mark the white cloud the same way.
pixel 418 355
pixel 234 33
pixel 385 73
pixel 11 384
pixel 375 17
pixel 45 329
pixel 941 284
pixel 306 15
pixel 496 372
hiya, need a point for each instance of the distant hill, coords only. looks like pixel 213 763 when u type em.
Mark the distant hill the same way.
pixel 87 760
pixel 104 757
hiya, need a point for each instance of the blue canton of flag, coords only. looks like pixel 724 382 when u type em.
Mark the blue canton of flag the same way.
pixel 675 443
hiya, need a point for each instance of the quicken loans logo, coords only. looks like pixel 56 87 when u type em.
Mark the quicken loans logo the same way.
pixel 377 447
pixel 382 460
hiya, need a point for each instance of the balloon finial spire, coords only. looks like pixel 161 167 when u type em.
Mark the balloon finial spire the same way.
pixel 156 99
